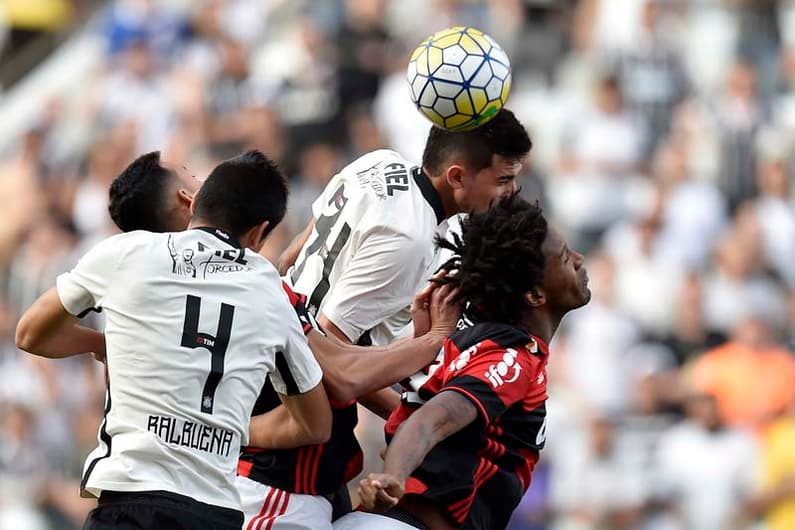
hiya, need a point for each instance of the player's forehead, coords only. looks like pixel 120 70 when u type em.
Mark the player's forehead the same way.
pixel 554 244
pixel 506 166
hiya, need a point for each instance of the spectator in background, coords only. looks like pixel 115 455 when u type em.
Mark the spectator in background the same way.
pixel 739 115
pixel 737 285
pixel 362 41
pixel 231 102
pixel 705 469
pixel 647 280
pixel 750 376
pixel 596 487
pixel 693 212
pixel 690 336
pixel 137 93
pixel 304 65
pixel 652 76
pixel 600 375
pixel 317 163
pixel 602 150
pixel 129 22
pixel 775 213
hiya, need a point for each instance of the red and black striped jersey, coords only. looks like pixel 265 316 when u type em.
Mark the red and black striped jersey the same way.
pixel 480 473
pixel 313 469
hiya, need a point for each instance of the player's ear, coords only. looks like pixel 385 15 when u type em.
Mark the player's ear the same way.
pixel 535 298
pixel 185 198
pixel 454 175
pixel 255 236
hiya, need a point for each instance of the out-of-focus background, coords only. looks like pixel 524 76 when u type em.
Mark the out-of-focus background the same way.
pixel 663 148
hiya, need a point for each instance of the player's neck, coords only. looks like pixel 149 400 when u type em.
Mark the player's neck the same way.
pixel 539 323
pixel 445 195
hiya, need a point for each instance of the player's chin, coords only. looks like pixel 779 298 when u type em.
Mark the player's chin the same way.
pixel 582 297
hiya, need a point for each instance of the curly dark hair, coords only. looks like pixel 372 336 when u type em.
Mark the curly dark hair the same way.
pixel 498 258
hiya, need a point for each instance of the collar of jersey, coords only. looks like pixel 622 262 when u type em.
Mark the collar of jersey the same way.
pixel 430 194
pixel 223 235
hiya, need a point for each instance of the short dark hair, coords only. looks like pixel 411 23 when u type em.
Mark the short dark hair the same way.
pixel 499 258
pixel 503 136
pixel 138 196
pixel 241 193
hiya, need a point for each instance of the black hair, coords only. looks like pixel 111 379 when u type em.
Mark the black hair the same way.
pixel 138 196
pixel 241 193
pixel 503 136
pixel 499 258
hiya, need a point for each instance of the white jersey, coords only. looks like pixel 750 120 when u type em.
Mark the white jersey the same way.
pixel 194 324
pixel 372 246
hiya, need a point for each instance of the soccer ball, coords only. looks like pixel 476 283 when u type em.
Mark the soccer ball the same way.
pixel 459 78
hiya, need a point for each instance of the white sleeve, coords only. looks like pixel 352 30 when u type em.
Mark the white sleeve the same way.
pixel 87 284
pixel 380 280
pixel 296 369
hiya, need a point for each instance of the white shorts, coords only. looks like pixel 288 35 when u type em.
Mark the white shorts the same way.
pixel 369 521
pixel 268 508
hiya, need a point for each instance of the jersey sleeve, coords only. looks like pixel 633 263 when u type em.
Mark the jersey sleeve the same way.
pixel 296 370
pixel 86 285
pixel 379 281
pixel 298 301
pixel 493 380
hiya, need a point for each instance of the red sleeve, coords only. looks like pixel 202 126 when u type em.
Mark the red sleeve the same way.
pixel 493 380
pixel 298 301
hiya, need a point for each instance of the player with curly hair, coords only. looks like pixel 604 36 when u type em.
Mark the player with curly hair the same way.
pixel 467 435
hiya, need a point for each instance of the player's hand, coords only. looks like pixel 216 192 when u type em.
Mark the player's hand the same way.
pixel 298 301
pixel 380 491
pixel 421 305
pixel 445 310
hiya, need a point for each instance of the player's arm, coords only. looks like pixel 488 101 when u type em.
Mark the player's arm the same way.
pixel 442 416
pixel 47 329
pixel 288 257
pixel 305 415
pixel 351 372
pixel 305 419
pixel 378 282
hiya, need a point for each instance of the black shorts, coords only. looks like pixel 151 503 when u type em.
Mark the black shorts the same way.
pixel 159 510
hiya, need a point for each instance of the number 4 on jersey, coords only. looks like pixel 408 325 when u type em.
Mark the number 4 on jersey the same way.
pixel 216 345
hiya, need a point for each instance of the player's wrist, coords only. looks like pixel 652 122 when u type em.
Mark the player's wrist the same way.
pixel 438 333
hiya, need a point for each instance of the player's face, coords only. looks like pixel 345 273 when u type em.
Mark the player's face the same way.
pixel 482 188
pixel 565 277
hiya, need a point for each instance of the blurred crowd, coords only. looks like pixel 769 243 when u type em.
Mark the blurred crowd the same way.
pixel 663 149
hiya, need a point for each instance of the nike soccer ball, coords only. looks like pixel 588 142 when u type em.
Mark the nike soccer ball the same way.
pixel 459 78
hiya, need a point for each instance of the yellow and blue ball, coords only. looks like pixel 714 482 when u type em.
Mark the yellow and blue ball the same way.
pixel 459 78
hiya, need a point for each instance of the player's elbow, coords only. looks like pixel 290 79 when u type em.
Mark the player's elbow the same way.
pixel 26 337
pixel 343 386
pixel 320 430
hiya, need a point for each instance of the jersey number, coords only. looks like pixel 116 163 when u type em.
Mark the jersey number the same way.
pixel 323 227
pixel 191 338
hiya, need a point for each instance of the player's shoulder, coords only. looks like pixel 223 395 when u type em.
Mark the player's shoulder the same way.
pixel 381 176
pixel 379 158
pixel 126 241
pixel 484 337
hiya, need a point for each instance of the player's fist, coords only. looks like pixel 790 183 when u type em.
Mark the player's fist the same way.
pixel 298 301
pixel 380 491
